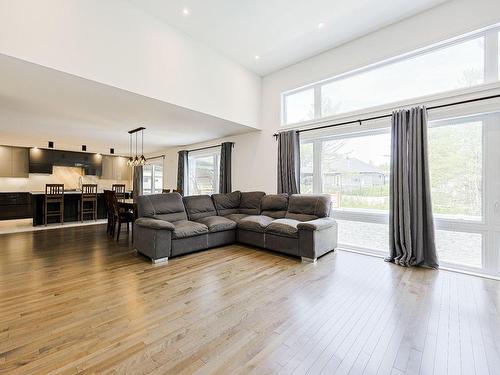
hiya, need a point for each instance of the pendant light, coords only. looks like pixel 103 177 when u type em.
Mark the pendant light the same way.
pixel 136 158
pixel 142 159
pixel 135 161
pixel 130 161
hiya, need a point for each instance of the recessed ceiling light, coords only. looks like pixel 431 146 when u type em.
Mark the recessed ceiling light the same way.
pixel 186 11
pixel 321 25
pixel 257 57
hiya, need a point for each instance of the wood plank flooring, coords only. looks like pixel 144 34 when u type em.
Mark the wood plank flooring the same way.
pixel 72 301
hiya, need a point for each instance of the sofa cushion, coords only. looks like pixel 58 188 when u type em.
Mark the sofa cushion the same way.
pixel 228 203
pixel 199 206
pixel 217 223
pixel 186 228
pixel 274 205
pixel 305 207
pixel 235 217
pixel 250 202
pixel 284 227
pixel 256 223
pixel 168 207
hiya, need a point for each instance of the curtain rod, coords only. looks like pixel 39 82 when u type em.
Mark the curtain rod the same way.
pixel 360 121
pixel 207 147
pixel 157 157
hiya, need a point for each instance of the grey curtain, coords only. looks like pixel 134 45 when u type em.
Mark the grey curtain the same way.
pixel 182 167
pixel 411 227
pixel 288 162
pixel 137 182
pixel 225 167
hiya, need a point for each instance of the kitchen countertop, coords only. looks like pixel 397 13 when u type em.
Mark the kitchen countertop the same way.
pixel 71 192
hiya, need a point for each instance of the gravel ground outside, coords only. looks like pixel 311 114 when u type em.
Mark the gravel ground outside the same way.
pixel 452 247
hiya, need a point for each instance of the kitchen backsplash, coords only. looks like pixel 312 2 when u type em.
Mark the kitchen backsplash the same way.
pixel 69 176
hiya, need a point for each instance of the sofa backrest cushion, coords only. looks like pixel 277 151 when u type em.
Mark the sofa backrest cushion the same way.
pixel 227 203
pixel 305 207
pixel 199 206
pixel 274 205
pixel 168 207
pixel 250 202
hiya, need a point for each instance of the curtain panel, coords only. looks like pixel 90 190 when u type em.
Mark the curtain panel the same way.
pixel 225 176
pixel 182 169
pixel 288 162
pixel 411 227
pixel 137 188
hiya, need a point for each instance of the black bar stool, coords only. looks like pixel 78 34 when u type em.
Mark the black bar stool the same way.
pixel 119 190
pixel 54 196
pixel 89 196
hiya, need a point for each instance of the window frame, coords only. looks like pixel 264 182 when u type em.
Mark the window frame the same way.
pixel 489 224
pixel 215 152
pixel 154 163
pixel 491 77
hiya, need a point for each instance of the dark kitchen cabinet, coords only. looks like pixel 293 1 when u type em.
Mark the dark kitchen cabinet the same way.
pixel 40 161
pixel 15 206
pixel 43 160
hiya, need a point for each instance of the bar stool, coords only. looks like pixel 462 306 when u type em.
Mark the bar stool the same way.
pixel 54 195
pixel 119 189
pixel 89 195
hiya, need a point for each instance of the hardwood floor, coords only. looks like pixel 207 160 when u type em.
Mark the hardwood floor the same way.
pixel 72 301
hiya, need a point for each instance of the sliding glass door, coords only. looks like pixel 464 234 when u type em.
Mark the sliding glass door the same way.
pixel 464 156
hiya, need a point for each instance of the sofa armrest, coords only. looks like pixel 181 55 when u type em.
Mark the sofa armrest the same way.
pixel 317 224
pixel 146 222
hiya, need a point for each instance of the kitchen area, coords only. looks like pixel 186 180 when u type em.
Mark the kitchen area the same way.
pixel 25 173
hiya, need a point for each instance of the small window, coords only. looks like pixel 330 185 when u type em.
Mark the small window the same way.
pixel 203 172
pixel 152 177
pixel 299 106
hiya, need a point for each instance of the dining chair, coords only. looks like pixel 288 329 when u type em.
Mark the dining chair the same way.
pixel 118 215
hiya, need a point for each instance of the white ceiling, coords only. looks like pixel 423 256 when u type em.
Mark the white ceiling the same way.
pixel 280 32
pixel 38 104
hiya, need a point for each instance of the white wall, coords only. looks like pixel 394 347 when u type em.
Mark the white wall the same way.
pixel 115 43
pixel 244 162
pixel 255 153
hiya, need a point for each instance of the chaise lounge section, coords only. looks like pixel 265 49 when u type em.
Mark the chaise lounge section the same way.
pixel 299 225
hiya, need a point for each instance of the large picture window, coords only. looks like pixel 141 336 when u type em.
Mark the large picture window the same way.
pixel 203 172
pixel 453 65
pixel 456 167
pixel 355 171
pixel 354 168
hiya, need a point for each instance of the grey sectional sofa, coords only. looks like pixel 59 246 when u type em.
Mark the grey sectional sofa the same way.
pixel 299 225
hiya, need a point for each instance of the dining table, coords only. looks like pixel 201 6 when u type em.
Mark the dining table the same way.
pixel 128 205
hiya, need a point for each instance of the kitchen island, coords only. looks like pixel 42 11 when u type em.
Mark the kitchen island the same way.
pixel 71 207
